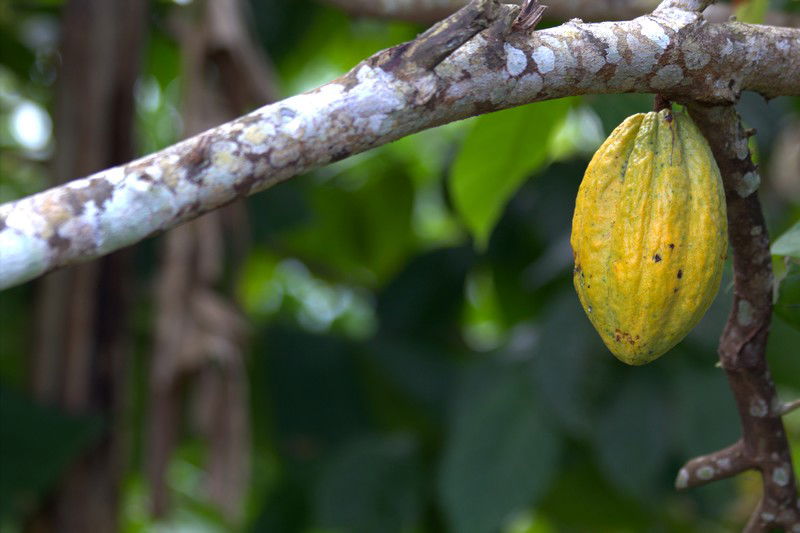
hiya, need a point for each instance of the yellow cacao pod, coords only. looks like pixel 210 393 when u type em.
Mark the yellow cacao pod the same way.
pixel 649 235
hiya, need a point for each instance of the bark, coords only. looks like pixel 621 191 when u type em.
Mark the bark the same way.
pixel 428 11
pixel 77 361
pixel 396 92
pixel 742 350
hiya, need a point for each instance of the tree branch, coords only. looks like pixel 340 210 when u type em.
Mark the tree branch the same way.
pixel 788 407
pixel 388 96
pixel 713 467
pixel 427 11
pixel 742 348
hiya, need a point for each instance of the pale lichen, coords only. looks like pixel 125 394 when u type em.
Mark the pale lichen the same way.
pixel 544 59
pixel 516 62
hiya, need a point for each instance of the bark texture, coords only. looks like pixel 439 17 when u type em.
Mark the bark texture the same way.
pixel 398 91
pixel 77 360
pixel 742 350
pixel 428 11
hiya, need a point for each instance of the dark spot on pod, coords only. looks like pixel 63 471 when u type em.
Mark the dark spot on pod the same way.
pixel 657 258
pixel 619 336
pixel 668 118
pixel 680 274
pixel 671 246
pixel 674 290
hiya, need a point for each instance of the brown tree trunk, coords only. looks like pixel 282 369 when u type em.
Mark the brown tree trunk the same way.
pixel 201 337
pixel 81 336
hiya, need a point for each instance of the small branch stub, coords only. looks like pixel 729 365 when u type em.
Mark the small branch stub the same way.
pixel 788 407
pixel 530 15
pixel 470 64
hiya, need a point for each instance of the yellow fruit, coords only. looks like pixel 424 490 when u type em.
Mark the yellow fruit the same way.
pixel 649 235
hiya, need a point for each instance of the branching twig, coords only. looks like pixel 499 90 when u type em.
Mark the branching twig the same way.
pixel 397 92
pixel 742 349
pixel 719 465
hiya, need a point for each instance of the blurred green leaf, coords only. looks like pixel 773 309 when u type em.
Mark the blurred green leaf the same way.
pixel 566 364
pixel 752 11
pixel 582 501
pixel 529 250
pixel 782 346
pixel 500 456
pixel 421 371
pixel 373 485
pixel 703 413
pixel 333 42
pixel 630 440
pixel 500 151
pixel 426 298
pixel 359 224
pixel 314 392
pixel 163 59
pixel 788 305
pixel 284 511
pixel 37 444
pixel 788 244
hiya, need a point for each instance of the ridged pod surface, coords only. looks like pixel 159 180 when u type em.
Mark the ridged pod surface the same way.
pixel 649 235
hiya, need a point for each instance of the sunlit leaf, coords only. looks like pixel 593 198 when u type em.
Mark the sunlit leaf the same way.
pixel 788 244
pixel 752 11
pixel 500 151
pixel 359 224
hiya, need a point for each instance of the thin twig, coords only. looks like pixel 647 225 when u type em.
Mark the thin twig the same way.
pixel 788 407
pixel 713 467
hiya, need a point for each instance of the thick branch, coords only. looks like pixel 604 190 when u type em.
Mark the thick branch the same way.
pixel 742 349
pixel 386 97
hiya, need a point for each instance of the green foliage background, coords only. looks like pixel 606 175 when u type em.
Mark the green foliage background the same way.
pixel 420 362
